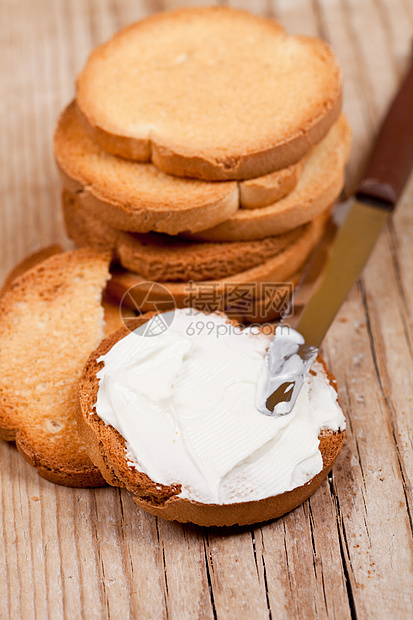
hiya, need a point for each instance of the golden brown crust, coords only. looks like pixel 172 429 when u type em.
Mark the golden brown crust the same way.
pixel 266 306
pixel 265 190
pixel 160 257
pixel 246 167
pixel 138 198
pixel 46 334
pixel 133 196
pixel 253 193
pixel 318 187
pixel 265 294
pixel 281 125
pixel 27 263
pixel 247 513
pixel 107 450
pixel 151 198
pixel 282 268
pixel 84 229
pixel 88 476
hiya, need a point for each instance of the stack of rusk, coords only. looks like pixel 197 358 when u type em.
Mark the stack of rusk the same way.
pixel 205 149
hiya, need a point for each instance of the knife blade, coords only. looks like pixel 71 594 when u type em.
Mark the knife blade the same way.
pixel 292 352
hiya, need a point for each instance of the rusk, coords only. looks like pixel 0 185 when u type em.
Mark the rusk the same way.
pixel 27 263
pixel 265 190
pixel 138 197
pixel 107 450
pixel 257 295
pixel 318 187
pixel 161 257
pixel 51 317
pixel 249 302
pixel 113 319
pixel 212 93
pixel 278 269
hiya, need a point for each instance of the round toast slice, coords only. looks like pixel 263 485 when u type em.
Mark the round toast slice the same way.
pixel 212 93
pixel 138 198
pixel 51 317
pixel 153 200
pixel 107 450
pixel 27 263
pixel 162 257
pixel 267 189
pixel 249 302
pixel 113 317
pixel 256 295
pixel 319 185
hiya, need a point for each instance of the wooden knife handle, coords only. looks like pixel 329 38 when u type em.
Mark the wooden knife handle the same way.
pixel 392 157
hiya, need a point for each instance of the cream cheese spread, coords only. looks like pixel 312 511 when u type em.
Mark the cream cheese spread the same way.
pixel 185 402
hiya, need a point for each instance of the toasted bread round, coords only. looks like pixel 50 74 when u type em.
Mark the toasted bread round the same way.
pixel 109 189
pixel 136 196
pixel 85 229
pixel 162 257
pixel 212 93
pixel 107 450
pixel 142 198
pixel 318 187
pixel 249 302
pixel 113 316
pixel 27 263
pixel 257 295
pixel 274 272
pixel 50 319
pixel 265 190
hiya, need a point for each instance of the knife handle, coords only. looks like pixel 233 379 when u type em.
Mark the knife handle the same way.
pixel 392 158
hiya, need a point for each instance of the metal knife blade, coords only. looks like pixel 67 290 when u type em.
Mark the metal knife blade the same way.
pixel 349 254
pixel 289 359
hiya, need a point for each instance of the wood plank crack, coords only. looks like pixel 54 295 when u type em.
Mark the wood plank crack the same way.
pixel 165 576
pixel 209 568
pixel 345 555
pixel 99 555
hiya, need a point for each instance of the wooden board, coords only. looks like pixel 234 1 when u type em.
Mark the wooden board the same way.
pixel 348 551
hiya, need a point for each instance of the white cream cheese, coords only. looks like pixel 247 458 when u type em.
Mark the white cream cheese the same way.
pixel 184 401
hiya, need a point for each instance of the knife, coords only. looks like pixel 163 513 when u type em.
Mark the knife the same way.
pixel 292 352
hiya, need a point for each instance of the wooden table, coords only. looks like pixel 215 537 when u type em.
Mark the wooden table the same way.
pixel 347 552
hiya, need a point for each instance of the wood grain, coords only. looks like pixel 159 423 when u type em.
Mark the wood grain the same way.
pixel 348 551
